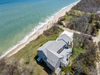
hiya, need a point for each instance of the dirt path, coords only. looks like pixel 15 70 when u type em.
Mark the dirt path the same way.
pixel 73 31
pixel 95 39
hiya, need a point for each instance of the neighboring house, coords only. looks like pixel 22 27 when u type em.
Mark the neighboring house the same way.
pixel 98 12
pixel 56 53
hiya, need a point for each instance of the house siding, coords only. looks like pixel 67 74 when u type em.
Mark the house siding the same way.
pixel 51 67
pixel 58 64
pixel 41 54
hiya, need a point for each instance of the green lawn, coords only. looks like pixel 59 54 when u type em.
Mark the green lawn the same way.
pixel 77 49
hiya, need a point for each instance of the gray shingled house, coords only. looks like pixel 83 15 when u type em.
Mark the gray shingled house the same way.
pixel 56 53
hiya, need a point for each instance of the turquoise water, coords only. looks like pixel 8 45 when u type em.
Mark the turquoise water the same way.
pixel 19 18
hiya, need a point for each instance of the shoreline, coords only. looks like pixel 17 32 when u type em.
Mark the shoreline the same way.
pixel 38 32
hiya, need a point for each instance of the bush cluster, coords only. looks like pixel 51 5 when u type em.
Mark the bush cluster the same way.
pixel 85 24
pixel 91 6
pixel 51 31
pixel 82 63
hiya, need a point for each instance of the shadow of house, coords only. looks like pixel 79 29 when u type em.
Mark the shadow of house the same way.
pixel 44 65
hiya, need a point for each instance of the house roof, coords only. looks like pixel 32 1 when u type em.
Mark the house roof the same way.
pixel 56 45
pixel 51 48
pixel 53 57
pixel 98 12
pixel 52 45
pixel 44 47
pixel 66 36
pixel 66 52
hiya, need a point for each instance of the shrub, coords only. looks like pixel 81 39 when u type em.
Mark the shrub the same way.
pixel 99 45
pixel 62 18
pixel 88 6
pixel 87 58
pixel 67 70
pixel 51 31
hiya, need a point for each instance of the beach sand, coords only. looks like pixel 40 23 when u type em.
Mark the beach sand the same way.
pixel 62 12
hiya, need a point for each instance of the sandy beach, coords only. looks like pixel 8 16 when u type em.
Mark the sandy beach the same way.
pixel 62 12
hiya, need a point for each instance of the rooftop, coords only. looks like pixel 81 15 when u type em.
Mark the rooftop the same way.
pixel 69 34
pixel 56 45
pixel 98 12
pixel 52 45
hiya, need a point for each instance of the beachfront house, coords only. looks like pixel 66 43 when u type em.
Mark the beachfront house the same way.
pixel 56 53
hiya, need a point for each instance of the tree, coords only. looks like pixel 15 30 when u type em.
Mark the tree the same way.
pixel 67 70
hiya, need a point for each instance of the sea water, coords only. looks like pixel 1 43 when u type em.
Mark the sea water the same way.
pixel 21 18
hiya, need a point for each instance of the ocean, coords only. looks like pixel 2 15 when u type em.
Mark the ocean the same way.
pixel 19 19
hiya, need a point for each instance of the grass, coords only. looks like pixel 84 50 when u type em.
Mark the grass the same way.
pixel 99 45
pixel 76 51
pixel 75 13
pixel 26 57
pixel 93 22
pixel 72 13
pixel 68 17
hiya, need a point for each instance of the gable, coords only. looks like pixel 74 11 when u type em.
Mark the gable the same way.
pixel 69 34
pixel 65 38
pixel 53 57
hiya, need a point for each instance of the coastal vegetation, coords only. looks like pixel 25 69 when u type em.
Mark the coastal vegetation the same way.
pixel 87 23
pixel 83 58
pixel 91 6
pixel 99 45
pixel 83 18
pixel 83 62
